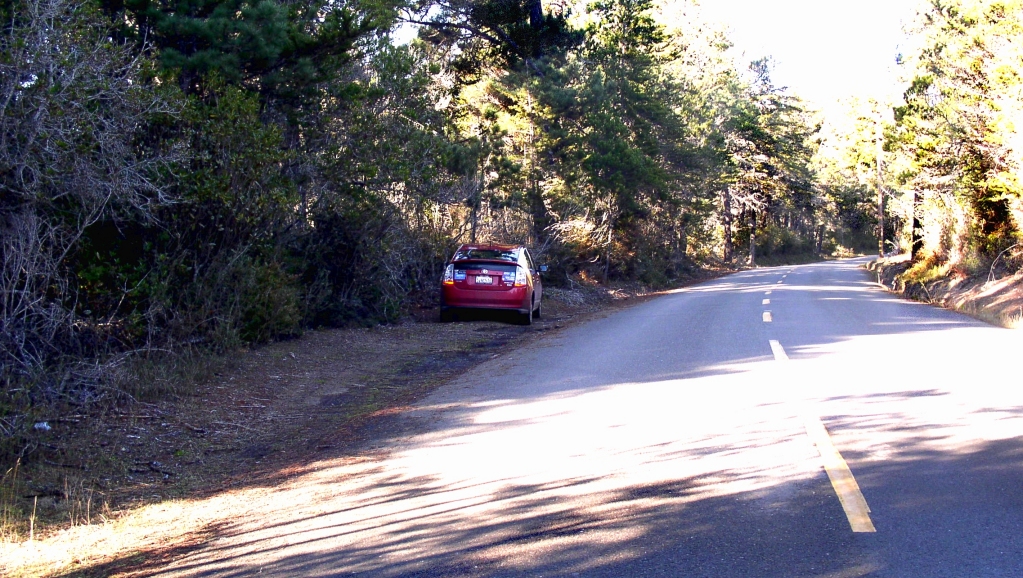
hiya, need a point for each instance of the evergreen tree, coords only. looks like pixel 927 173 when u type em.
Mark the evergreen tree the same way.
pixel 281 49
pixel 507 34
pixel 623 117
pixel 959 126
pixel 766 137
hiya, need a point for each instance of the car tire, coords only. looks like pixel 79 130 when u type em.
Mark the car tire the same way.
pixel 527 317
pixel 446 316
pixel 536 312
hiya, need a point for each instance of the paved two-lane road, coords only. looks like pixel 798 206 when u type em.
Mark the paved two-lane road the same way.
pixel 683 437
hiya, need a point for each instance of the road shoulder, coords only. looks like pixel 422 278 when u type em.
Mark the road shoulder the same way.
pixel 104 486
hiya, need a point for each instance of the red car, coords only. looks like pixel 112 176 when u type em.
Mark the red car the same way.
pixel 491 277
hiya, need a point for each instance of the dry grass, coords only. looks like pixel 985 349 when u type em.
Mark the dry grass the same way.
pixel 11 516
pixel 1015 320
pixel 925 271
pixel 995 301
pixel 135 535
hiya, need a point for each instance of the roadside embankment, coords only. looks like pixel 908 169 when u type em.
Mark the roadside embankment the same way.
pixel 993 299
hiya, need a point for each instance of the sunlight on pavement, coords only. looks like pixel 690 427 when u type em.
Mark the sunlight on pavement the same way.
pixel 496 468
pixel 590 475
pixel 965 400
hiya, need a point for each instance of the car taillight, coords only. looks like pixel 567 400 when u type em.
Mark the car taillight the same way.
pixel 449 275
pixel 520 277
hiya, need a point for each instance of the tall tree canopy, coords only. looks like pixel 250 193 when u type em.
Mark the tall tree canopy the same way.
pixel 958 128
pixel 198 174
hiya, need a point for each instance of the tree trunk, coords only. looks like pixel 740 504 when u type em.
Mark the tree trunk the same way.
pixel 540 217
pixel 917 234
pixel 607 267
pixel 880 194
pixel 475 207
pixel 753 240
pixel 535 14
pixel 681 241
pixel 726 221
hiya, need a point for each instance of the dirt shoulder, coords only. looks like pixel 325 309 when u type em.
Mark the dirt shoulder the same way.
pixel 998 301
pixel 88 491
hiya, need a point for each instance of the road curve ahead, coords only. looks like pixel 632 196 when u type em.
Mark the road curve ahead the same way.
pixel 779 422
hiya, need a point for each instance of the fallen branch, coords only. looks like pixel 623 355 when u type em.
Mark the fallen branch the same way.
pixel 991 270
pixel 60 465
pixel 68 419
pixel 233 425
pixel 197 430
pixel 155 466
pixel 926 292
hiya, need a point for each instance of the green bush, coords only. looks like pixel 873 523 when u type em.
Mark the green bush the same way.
pixel 361 263
pixel 775 241
pixel 270 306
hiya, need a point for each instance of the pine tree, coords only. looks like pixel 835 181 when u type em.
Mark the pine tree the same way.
pixel 959 125
pixel 285 50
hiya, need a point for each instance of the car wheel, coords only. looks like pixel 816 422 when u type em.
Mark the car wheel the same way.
pixel 527 317
pixel 536 312
pixel 445 316
pixel 524 318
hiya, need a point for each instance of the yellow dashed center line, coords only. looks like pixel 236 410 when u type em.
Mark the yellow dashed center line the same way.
pixel 767 317
pixel 766 302
pixel 842 480
pixel 778 351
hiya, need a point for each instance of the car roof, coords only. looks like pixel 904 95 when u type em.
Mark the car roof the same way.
pixel 465 252
pixel 489 247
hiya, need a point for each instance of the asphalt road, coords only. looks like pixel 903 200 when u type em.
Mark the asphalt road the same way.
pixel 675 439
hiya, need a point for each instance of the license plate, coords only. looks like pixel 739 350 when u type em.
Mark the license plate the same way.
pixel 484 280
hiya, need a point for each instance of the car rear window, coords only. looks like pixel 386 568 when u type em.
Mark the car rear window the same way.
pixel 494 254
pixel 494 267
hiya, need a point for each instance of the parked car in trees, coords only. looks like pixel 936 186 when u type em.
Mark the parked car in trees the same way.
pixel 491 277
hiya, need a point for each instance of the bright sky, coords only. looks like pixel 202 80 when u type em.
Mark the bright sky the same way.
pixel 824 50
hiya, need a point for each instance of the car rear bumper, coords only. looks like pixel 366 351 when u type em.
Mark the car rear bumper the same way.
pixel 516 299
pixel 520 310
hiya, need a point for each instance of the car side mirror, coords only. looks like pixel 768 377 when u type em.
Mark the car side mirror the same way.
pixel 543 268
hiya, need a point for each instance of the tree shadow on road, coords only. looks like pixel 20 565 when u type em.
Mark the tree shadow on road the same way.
pixel 367 517
pixel 673 528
